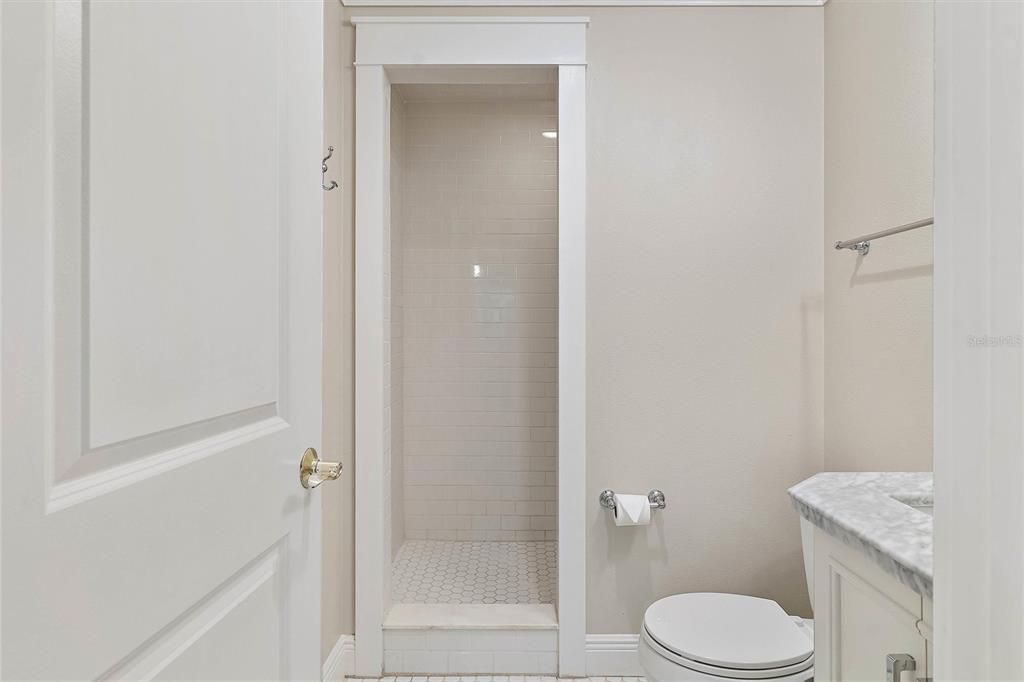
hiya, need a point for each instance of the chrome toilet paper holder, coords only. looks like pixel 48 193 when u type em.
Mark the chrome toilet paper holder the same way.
pixel 656 498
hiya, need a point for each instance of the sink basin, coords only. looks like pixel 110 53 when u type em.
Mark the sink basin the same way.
pixel 923 505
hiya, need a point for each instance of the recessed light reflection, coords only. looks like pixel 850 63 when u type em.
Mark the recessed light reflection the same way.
pixel 550 134
pixel 476 270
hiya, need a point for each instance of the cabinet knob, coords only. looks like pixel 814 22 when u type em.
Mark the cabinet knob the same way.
pixel 897 664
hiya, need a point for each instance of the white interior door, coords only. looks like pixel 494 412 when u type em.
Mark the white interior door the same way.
pixel 161 321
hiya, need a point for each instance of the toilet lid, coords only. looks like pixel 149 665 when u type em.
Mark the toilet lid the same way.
pixel 727 630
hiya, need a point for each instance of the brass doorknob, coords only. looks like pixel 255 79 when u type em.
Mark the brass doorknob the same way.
pixel 313 471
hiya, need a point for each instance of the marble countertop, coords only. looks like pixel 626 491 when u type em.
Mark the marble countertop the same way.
pixel 872 512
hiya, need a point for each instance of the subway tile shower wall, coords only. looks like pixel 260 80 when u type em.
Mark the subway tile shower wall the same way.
pixel 480 312
pixel 394 469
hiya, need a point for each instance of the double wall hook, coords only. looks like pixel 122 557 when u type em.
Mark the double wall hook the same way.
pixel 323 172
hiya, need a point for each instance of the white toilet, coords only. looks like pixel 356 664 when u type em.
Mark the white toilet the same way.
pixel 714 636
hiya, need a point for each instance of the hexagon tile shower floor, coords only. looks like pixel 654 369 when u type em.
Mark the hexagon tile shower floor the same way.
pixel 441 572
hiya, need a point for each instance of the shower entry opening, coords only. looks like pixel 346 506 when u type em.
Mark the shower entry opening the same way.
pixel 470 345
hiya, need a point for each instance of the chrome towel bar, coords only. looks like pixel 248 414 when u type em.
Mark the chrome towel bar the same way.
pixel 863 244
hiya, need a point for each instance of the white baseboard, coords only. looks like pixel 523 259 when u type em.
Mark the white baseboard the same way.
pixel 341 662
pixel 613 655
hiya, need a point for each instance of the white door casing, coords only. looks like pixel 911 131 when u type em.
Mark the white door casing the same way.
pixel 398 49
pixel 979 323
pixel 161 336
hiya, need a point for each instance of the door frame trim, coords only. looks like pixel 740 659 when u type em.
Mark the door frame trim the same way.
pixel 978 327
pixel 425 42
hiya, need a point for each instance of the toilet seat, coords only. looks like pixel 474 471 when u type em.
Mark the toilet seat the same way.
pixel 727 635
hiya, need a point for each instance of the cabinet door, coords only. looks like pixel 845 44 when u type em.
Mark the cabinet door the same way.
pixel 861 616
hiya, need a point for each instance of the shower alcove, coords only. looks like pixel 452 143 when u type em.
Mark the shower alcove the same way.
pixel 473 343
pixel 470 357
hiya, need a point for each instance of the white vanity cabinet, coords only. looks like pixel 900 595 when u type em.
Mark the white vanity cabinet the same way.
pixel 862 615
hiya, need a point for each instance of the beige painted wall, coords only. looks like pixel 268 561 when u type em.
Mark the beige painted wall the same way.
pixel 878 173
pixel 704 294
pixel 705 201
pixel 337 598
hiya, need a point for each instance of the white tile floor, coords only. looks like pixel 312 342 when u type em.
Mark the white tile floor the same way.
pixel 494 678
pixel 442 572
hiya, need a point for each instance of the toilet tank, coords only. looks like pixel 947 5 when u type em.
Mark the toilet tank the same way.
pixel 807 542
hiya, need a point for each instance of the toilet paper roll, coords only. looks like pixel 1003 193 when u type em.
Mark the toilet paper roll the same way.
pixel 632 510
